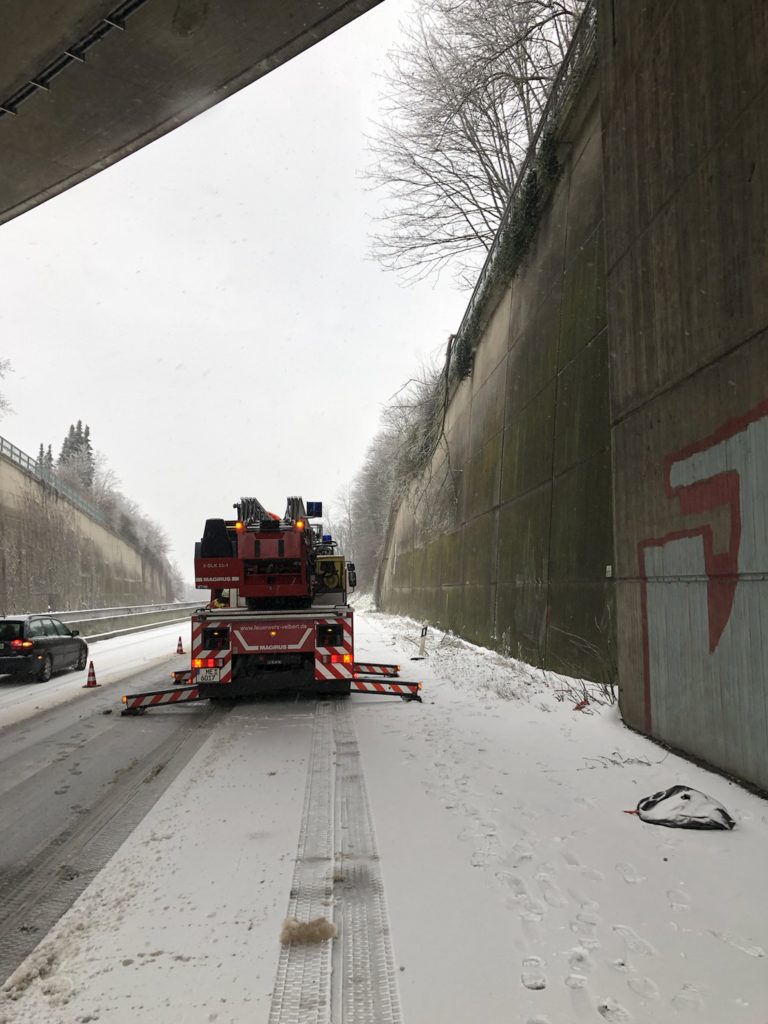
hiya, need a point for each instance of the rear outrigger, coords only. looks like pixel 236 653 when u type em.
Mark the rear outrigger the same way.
pixel 277 618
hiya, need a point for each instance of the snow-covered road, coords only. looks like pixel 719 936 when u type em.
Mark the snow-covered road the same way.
pixel 113 660
pixel 516 889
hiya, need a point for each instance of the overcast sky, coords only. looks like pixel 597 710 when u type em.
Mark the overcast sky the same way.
pixel 208 306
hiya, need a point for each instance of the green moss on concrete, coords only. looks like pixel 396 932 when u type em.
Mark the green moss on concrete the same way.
pixel 582 527
pixel 582 422
pixel 580 632
pixel 524 538
pixel 481 479
pixel 453 605
pixel 477 613
pixel 418 560
pixel 527 459
pixel 521 611
pixel 480 550
pixel 487 414
pixel 532 360
pixel 450 558
pixel 432 554
pixel 584 312
pixel 404 571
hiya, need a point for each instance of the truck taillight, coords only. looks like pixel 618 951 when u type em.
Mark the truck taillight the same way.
pixel 343 659
pixel 299 524
pixel 17 645
pixel 204 663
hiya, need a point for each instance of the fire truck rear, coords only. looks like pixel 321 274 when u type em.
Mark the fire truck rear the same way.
pixel 278 617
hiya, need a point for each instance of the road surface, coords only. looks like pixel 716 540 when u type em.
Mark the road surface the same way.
pixel 473 853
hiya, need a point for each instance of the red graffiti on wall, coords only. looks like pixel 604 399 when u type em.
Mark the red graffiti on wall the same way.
pixel 701 477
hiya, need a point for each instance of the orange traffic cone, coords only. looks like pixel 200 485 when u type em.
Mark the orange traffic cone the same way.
pixel 91 681
pixel 179 647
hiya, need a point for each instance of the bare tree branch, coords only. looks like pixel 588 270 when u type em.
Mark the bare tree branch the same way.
pixel 462 101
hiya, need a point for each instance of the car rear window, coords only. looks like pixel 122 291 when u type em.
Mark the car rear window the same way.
pixel 11 630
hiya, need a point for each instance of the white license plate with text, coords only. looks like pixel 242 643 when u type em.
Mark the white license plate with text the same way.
pixel 208 675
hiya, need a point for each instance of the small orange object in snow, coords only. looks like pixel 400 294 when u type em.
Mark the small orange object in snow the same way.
pixel 179 647
pixel 91 681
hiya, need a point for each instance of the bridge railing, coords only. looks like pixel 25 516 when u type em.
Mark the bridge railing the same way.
pixel 32 466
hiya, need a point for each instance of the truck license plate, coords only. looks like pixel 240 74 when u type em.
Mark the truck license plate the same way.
pixel 207 675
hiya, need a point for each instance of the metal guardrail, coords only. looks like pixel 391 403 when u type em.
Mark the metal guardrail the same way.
pixel 32 466
pixel 94 614
pixel 578 59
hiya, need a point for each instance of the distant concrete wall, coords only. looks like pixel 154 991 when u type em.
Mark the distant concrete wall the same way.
pixel 50 552
pixel 506 537
pixel 684 100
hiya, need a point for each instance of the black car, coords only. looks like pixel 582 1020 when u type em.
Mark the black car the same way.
pixel 36 646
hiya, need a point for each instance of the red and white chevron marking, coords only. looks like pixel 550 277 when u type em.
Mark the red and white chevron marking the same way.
pixel 328 667
pixel 198 651
pixel 179 695
pixel 370 669
pixel 400 689
pixel 340 620
pixel 325 668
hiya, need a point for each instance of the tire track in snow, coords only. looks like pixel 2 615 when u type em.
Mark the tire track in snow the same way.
pixel 350 980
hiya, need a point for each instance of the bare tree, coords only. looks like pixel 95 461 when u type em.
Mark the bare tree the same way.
pixel 462 102
pixel 5 405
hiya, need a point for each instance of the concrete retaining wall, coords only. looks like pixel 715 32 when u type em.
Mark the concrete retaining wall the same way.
pixel 52 553
pixel 506 538
pixel 684 99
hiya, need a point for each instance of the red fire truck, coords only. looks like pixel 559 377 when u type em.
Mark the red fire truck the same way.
pixel 277 618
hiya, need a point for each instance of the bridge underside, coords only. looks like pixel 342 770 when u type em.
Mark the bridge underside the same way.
pixel 84 83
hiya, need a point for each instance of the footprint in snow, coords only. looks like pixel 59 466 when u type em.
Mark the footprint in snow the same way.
pixel 613 1012
pixel 550 890
pixel 632 940
pixel 688 998
pixel 532 975
pixel 646 988
pixel 629 873
pixel 520 853
pixel 516 884
pixel 576 981
pixel 739 943
pixel 532 909
pixel 593 874
pixel 678 900
pixel 580 960
pixel 489 850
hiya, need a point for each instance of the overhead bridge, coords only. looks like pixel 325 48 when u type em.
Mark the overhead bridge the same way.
pixel 84 83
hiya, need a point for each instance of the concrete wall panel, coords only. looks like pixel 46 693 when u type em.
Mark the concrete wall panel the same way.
pixel 526 434
pixel 683 105
pixel 51 552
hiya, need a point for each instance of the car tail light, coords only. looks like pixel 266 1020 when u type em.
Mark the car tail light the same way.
pixel 18 645
pixel 205 663
pixel 344 659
